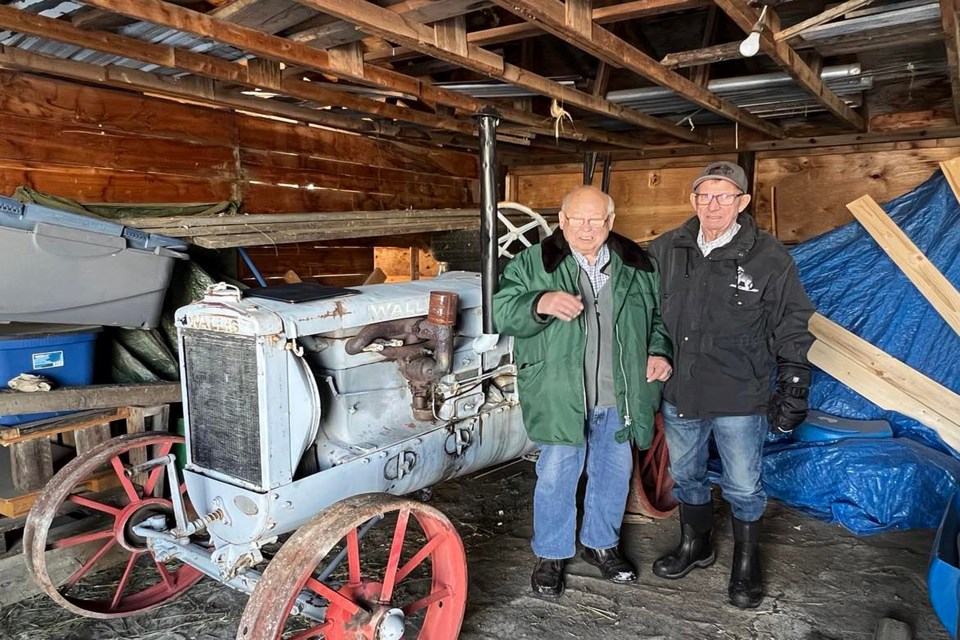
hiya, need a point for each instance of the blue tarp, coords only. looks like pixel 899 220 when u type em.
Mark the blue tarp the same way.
pixel 904 482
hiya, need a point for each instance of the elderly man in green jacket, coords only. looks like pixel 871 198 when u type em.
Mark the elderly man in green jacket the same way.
pixel 591 354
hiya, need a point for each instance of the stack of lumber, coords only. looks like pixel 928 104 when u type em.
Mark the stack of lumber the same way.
pixel 222 232
pixel 874 374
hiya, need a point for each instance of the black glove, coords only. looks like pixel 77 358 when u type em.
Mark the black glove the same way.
pixel 788 406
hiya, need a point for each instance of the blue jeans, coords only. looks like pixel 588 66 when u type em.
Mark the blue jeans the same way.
pixel 740 444
pixel 609 466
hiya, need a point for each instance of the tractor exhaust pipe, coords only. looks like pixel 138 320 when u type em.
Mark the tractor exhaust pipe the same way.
pixel 489 119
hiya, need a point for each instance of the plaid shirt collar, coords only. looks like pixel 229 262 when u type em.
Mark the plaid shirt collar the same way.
pixel 598 278
pixel 722 241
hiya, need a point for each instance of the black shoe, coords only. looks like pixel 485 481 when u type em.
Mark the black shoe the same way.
pixel 746 579
pixel 547 578
pixel 695 549
pixel 613 566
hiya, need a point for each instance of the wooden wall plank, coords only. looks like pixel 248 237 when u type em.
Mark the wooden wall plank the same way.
pixel 50 142
pixel 266 198
pixel 808 192
pixel 408 192
pixel 310 262
pixel 263 134
pixel 329 166
pixel 104 185
pixel 110 110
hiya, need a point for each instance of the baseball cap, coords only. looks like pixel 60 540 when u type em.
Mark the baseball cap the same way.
pixel 728 171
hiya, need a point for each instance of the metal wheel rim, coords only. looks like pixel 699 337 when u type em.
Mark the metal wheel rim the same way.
pixel 290 570
pixel 59 490
pixel 651 486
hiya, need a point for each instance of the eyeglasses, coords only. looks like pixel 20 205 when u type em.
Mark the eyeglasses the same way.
pixel 723 199
pixel 593 223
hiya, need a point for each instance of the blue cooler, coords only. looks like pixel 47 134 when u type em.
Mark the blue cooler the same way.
pixel 60 352
pixel 943 577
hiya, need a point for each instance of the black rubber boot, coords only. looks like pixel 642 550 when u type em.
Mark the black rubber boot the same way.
pixel 695 549
pixel 613 566
pixel 746 579
pixel 547 578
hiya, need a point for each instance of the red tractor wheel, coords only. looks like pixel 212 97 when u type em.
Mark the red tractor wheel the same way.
pixel 63 567
pixel 651 487
pixel 406 577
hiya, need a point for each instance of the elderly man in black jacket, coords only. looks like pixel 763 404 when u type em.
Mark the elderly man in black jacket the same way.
pixel 736 312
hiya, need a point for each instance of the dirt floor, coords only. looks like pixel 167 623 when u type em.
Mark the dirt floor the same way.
pixel 822 583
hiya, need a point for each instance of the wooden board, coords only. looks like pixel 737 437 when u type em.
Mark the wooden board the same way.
pixel 48 142
pixel 111 111
pixel 105 185
pixel 919 270
pixel 16 506
pixel 47 428
pixel 93 397
pixel 340 167
pixel 312 263
pixel 396 265
pixel 884 380
pixel 264 134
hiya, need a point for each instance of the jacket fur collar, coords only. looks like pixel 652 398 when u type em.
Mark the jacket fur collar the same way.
pixel 556 248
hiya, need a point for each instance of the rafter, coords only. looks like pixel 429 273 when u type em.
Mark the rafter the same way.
pixel 606 46
pixel 339 32
pixel 508 33
pixel 279 49
pixel 788 60
pixel 820 18
pixel 390 26
pixel 951 31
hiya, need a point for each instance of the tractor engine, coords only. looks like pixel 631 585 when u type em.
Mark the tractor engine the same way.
pixel 291 406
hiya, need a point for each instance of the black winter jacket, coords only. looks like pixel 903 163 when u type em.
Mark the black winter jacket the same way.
pixel 732 317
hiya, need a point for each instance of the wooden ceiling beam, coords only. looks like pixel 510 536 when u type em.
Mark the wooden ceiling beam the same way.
pixel 826 16
pixel 423 11
pixel 511 32
pixel 788 60
pixel 280 49
pixel 395 28
pixel 951 30
pixel 554 16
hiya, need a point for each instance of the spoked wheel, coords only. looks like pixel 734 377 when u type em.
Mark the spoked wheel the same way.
pixel 64 568
pixel 651 487
pixel 517 234
pixel 405 577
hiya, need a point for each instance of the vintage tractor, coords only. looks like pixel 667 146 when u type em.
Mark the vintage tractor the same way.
pixel 312 412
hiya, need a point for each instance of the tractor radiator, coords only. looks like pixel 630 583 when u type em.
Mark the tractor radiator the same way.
pixel 220 370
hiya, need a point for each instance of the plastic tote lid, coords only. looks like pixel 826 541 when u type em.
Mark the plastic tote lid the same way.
pixel 22 330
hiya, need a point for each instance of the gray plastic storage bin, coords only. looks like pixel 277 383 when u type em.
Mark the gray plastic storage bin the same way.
pixel 62 267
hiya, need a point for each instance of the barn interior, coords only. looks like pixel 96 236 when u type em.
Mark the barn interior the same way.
pixel 289 144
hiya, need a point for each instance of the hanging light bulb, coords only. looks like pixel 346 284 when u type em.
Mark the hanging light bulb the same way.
pixel 751 45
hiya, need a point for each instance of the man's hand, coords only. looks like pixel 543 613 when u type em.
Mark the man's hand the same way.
pixel 788 406
pixel 559 304
pixel 658 368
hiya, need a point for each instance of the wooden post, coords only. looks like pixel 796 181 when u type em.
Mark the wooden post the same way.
pixel 31 464
pixel 414 263
pixel 88 439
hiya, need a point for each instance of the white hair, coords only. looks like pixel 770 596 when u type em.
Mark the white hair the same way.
pixel 566 200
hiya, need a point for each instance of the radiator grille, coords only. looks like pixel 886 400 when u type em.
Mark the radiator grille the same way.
pixel 221 375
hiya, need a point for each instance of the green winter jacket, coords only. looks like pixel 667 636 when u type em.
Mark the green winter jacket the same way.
pixel 549 354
